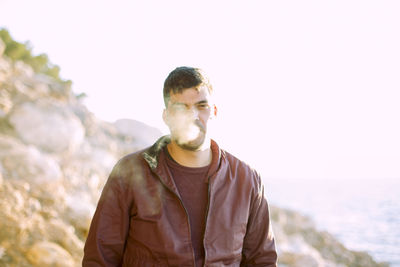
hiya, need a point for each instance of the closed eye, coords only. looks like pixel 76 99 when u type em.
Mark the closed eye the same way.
pixel 203 106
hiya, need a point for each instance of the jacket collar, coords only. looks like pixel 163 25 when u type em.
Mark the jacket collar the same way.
pixel 151 155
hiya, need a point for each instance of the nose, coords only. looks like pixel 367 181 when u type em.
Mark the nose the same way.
pixel 193 112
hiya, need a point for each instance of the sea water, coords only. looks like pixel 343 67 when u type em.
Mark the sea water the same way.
pixel 363 214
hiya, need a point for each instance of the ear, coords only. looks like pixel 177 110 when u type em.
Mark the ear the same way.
pixel 164 116
pixel 214 111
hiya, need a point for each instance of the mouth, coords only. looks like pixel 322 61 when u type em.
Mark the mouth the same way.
pixel 189 132
pixel 200 125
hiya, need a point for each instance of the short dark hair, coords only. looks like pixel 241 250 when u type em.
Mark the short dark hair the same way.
pixel 183 78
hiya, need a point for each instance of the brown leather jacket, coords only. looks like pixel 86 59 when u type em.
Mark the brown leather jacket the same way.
pixel 140 219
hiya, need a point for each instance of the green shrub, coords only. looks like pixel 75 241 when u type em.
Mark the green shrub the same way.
pixel 40 63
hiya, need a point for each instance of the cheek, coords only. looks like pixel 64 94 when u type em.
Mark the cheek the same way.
pixel 177 121
pixel 204 118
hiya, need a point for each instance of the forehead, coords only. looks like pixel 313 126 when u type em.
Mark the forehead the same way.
pixel 190 95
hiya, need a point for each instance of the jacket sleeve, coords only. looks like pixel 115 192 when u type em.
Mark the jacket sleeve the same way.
pixel 110 224
pixel 259 242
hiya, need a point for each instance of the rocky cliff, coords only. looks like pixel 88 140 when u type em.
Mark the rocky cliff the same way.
pixel 55 156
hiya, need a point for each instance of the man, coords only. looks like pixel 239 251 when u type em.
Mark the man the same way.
pixel 183 201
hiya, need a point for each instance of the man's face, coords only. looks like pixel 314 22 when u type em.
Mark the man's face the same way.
pixel 187 116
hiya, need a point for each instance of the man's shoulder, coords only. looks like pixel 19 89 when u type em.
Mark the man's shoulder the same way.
pixel 134 156
pixel 240 167
pixel 148 152
pixel 130 163
pixel 236 161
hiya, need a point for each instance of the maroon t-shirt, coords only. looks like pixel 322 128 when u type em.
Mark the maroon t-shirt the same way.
pixel 192 184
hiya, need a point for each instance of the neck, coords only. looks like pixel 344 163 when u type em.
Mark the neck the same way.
pixel 188 158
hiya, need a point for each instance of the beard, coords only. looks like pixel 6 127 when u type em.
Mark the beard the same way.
pixel 192 145
pixel 190 136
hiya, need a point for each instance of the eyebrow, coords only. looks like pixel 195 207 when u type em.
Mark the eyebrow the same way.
pixel 178 104
pixel 197 103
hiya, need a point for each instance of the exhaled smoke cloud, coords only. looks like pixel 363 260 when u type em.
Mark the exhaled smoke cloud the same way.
pixel 185 127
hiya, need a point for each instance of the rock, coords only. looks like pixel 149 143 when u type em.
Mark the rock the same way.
pixel 28 163
pixel 59 232
pixel 22 69
pixel 298 253
pixel 299 243
pixel 2 47
pixel 5 66
pixel 79 210
pixel 98 163
pixel 138 131
pixel 5 101
pixel 103 158
pixel 50 127
pixel 4 70
pixel 1 176
pixel 48 254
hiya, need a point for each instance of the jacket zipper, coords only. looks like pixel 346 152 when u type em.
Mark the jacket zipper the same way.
pixel 205 223
pixel 187 217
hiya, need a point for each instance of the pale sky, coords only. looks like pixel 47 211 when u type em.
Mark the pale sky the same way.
pixel 305 89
